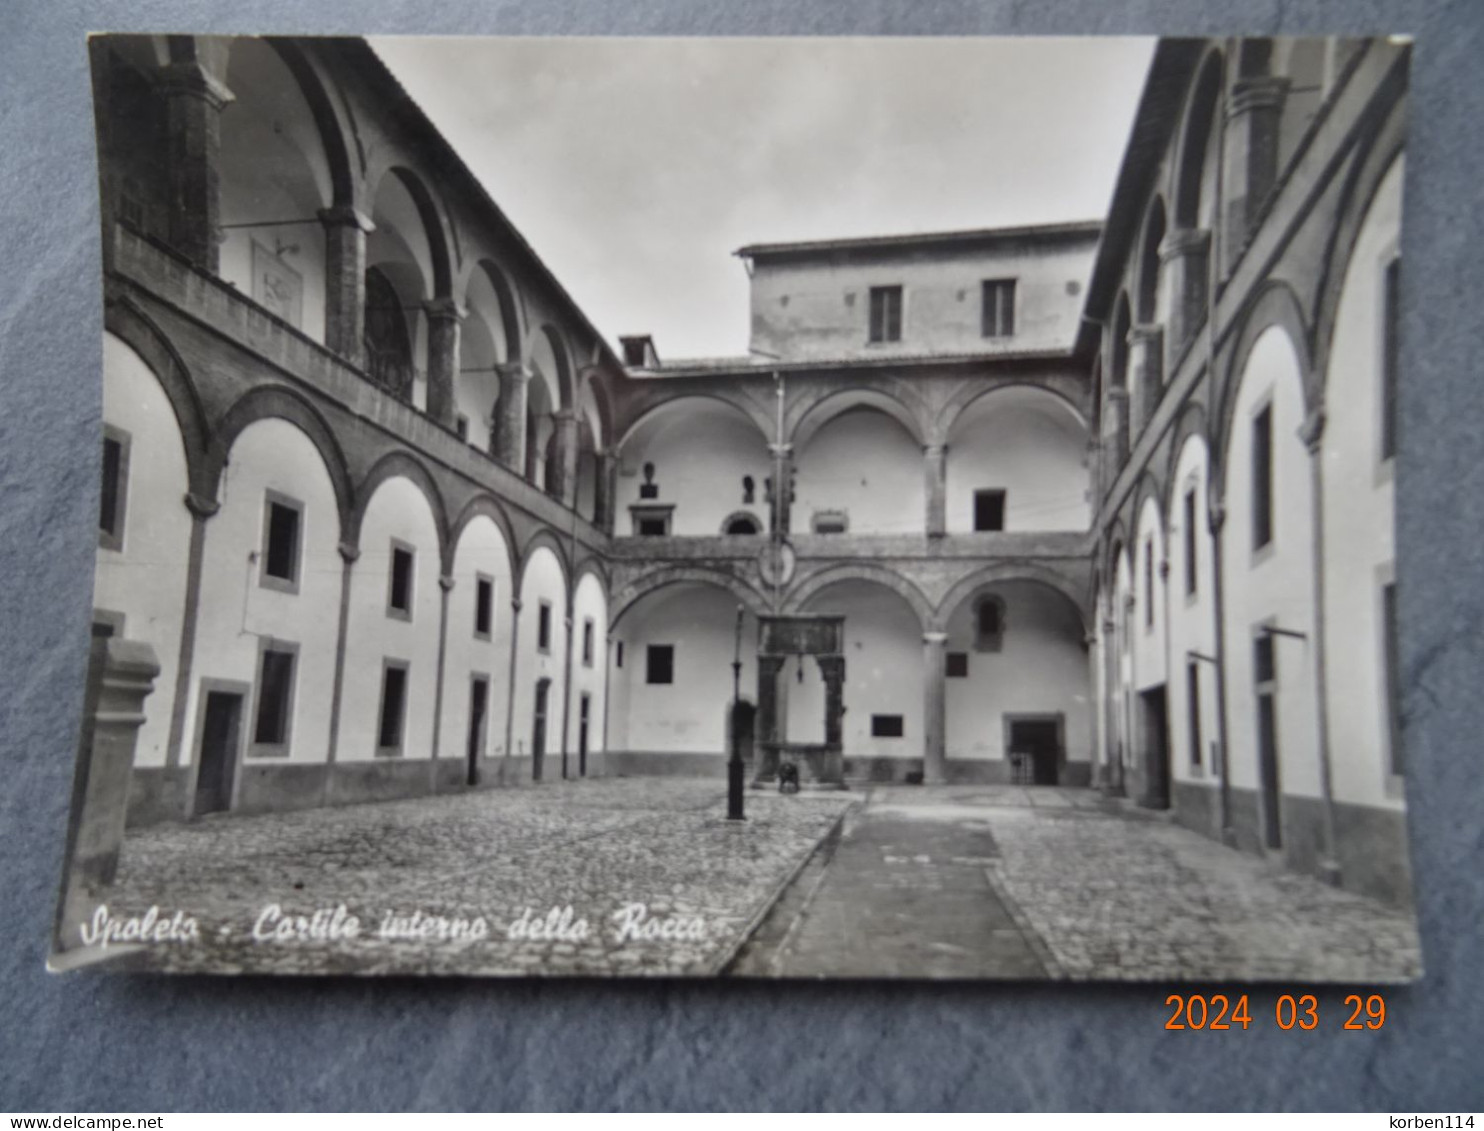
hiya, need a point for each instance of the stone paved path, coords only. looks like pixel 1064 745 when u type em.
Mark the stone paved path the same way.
pixel 594 845
pixel 1006 882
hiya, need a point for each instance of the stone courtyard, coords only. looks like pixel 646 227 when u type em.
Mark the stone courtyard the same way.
pixel 646 877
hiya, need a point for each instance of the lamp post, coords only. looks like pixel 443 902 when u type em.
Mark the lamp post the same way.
pixel 734 761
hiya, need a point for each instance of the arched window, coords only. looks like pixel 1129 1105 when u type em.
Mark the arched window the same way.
pixel 989 624
pixel 388 347
pixel 741 523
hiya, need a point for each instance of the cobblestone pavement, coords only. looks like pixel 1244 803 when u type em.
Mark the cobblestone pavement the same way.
pixel 595 846
pixel 1014 882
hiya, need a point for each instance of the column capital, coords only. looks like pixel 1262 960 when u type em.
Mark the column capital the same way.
pixel 1116 393
pixel 1216 515
pixel 781 449
pixel 444 309
pixel 446 582
pixel 200 506
pixel 348 552
pixel 1145 333
pixel 1183 242
pixel 1311 431
pixel 515 603
pixel 935 451
pixel 564 416
pixel 1259 92
pixel 195 81
pixel 345 216
pixel 935 638
pixel 512 371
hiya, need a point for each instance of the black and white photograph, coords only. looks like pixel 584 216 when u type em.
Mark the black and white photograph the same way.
pixel 747 508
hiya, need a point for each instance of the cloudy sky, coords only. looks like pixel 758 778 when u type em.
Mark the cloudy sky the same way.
pixel 635 167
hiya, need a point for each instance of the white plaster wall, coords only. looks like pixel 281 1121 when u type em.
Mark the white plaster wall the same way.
pixel 482 550
pixel 146 580
pixel 589 603
pixel 1277 582
pixel 883 673
pixel 273 167
pixel 1123 657
pixel 864 463
pixel 820 308
pixel 1192 617
pixel 1030 446
pixel 542 580
pixel 700 449
pixel 689 715
pixel 236 611
pixel 397 510
pixel 1148 623
pixel 1041 669
pixel 1359 517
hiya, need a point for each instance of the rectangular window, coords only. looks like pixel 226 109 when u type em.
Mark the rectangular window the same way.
pixel 1190 543
pixel 461 427
pixel 282 529
pixel 1193 708
pixel 886 314
pixel 660 664
pixel 114 491
pixel 275 697
pixel 393 707
pixel 1390 354
pixel 830 522
pixel 543 627
pixel 886 726
pixel 957 665
pixel 618 654
pixel 1149 583
pixel 653 528
pixel 998 318
pixel 484 607
pixel 399 587
pixel 1264 662
pixel 587 643
pixel 1262 478
pixel 1391 657
pixel 989 510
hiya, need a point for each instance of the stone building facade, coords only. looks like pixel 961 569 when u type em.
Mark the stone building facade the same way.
pixel 396 519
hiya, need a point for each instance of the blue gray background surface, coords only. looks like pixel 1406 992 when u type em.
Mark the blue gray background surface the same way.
pixel 94 1042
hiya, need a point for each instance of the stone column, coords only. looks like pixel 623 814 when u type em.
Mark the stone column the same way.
pixel 1186 256
pixel 770 730
pixel 605 494
pixel 1115 434
pixel 194 99
pixel 345 281
pixel 564 437
pixel 832 668
pixel 121 675
pixel 783 474
pixel 935 468
pixel 934 711
pixel 444 316
pixel 1253 110
pixel 510 417
pixel 201 509
pixel 1146 372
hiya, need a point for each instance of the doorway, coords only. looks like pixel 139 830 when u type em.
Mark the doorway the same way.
pixel 1265 685
pixel 538 728
pixel 1154 748
pixel 221 731
pixel 584 717
pixel 1034 743
pixel 479 694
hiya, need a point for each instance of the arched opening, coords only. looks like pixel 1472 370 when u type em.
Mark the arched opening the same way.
pixel 742 523
pixel 388 343
pixel 541 666
pixel 883 728
pixel 670 678
pixel 1118 380
pixel 477 652
pixel 1024 450
pixel 1192 629
pixel 1196 191
pixel 483 346
pixel 274 180
pixel 703 453
pixel 403 267
pixel 586 705
pixel 540 428
pixel 1017 687
pixel 1268 584
pixel 859 471
pixel 1150 293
